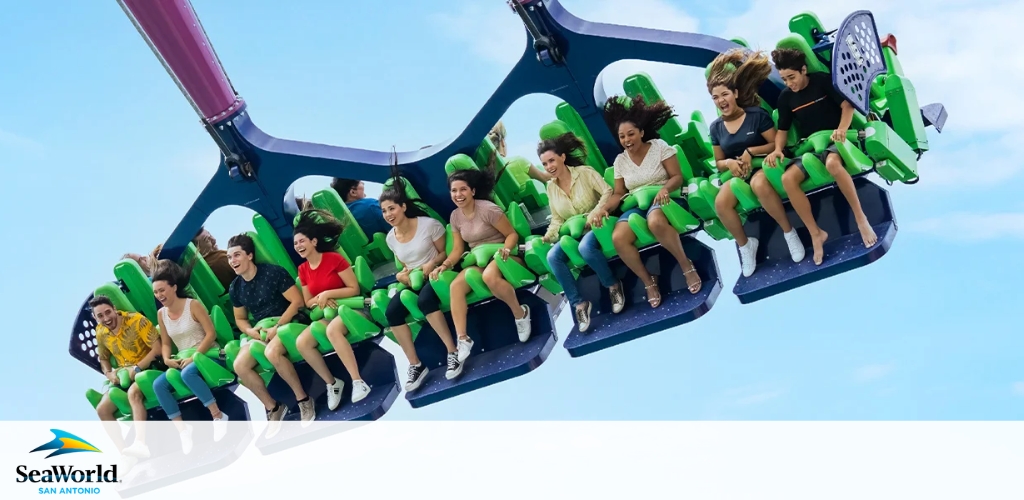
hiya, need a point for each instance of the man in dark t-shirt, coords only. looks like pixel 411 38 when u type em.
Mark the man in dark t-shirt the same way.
pixel 815 105
pixel 265 291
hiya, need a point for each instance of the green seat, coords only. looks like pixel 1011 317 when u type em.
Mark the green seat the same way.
pixel 353 240
pixel 508 186
pixel 412 194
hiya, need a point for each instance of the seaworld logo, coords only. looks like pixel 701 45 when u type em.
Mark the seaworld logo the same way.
pixel 65 442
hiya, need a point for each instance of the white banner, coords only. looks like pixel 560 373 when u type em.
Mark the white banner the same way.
pixel 516 460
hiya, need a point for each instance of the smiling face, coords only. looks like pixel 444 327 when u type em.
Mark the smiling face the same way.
pixel 106 316
pixel 630 137
pixel 462 194
pixel 795 80
pixel 393 212
pixel 205 242
pixel 725 99
pixel 553 163
pixel 240 261
pixel 164 292
pixel 304 246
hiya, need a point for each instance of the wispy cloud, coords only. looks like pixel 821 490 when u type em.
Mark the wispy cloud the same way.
pixel 1018 388
pixel 973 227
pixel 869 373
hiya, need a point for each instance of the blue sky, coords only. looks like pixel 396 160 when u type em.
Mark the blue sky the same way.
pixel 102 155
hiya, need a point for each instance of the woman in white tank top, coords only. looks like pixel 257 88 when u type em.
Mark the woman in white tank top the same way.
pixel 187 324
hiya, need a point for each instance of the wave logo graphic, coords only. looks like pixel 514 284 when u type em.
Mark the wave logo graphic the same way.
pixel 65 442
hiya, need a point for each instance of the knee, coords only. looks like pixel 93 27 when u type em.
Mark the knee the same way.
pixel 834 165
pixel 760 185
pixel 492 276
pixel 657 222
pixel 161 382
pixel 240 365
pixel 792 178
pixel 336 330
pixel 105 409
pixel 459 285
pixel 135 394
pixel 555 255
pixel 274 351
pixel 724 201
pixel 622 236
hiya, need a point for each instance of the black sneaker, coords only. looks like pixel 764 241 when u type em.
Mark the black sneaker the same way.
pixel 583 316
pixel 416 376
pixel 454 366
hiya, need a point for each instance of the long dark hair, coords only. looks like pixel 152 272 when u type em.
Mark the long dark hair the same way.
pixel 481 181
pixel 175 275
pixel 322 226
pixel 649 118
pixel 741 74
pixel 396 193
pixel 566 144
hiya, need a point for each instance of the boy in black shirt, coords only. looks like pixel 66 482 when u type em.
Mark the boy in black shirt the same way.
pixel 265 291
pixel 816 105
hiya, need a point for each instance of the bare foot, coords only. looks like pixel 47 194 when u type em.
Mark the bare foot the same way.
pixel 867 234
pixel 818 242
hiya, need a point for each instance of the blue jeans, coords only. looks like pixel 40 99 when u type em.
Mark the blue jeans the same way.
pixel 193 379
pixel 590 249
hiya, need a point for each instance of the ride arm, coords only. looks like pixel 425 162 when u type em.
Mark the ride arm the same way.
pixel 616 197
pixel 458 247
pixel 675 173
pixel 200 313
pixel 503 225
pixel 104 355
pixel 403 275
pixel 165 342
pixel 307 298
pixel 540 175
pixel 351 288
pixel 242 322
pixel 294 297
pixel 439 258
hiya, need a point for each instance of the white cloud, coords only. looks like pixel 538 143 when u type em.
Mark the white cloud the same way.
pixel 1018 388
pixel 869 373
pixel 974 227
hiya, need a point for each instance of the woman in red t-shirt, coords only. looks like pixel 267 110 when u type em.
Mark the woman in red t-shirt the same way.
pixel 326 276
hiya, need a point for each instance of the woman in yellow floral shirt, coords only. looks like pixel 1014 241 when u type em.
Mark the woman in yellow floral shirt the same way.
pixel 575 191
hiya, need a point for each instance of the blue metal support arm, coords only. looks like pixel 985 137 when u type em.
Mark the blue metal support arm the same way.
pixel 586 48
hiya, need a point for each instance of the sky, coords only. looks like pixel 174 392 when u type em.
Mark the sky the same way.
pixel 102 155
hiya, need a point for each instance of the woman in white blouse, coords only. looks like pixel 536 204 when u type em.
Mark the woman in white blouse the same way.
pixel 418 242
pixel 646 161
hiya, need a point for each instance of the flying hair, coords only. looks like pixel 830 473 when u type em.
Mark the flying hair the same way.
pixel 566 144
pixel 649 118
pixel 397 192
pixel 742 73
pixel 320 225
pixel 481 181
pixel 175 275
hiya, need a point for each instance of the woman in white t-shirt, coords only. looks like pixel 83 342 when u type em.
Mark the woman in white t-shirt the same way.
pixel 418 242
pixel 646 161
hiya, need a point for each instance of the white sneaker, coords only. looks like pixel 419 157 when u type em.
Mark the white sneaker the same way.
pixel 186 439
pixel 465 347
pixel 359 390
pixel 796 247
pixel 220 426
pixel 748 257
pixel 136 450
pixel 523 325
pixel 334 394
pixel 454 366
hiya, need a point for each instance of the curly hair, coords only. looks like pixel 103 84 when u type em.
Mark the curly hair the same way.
pixel 320 225
pixel 481 181
pixel 396 193
pixel 740 73
pixel 649 118
pixel 791 59
pixel 566 144
pixel 174 275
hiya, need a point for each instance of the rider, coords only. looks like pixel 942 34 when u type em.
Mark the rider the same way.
pixel 185 323
pixel 216 258
pixel 812 100
pixel 265 291
pixel 418 242
pixel 497 137
pixel 477 221
pixel 743 131
pixel 578 190
pixel 129 338
pixel 647 160
pixel 365 210
pixel 326 276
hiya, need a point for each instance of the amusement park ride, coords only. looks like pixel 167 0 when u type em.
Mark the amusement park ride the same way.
pixel 564 58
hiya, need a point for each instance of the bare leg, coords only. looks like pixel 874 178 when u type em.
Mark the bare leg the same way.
pixel 460 308
pixel 437 321
pixel 669 239
pixel 308 348
pixel 623 239
pixel 404 337
pixel 791 181
pixel 244 367
pixel 136 399
pixel 105 410
pixel 502 289
pixel 336 331
pixel 770 200
pixel 725 208
pixel 278 356
pixel 834 164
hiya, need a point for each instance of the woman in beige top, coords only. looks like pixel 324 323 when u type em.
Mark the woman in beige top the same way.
pixel 476 221
pixel 575 191
pixel 646 161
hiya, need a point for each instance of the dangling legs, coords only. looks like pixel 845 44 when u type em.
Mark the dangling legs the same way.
pixel 624 241
pixel 725 208
pixel 669 239
pixel 504 291
pixel 772 203
pixel 791 181
pixel 834 164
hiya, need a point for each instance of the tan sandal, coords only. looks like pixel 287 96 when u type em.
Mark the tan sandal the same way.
pixel 655 301
pixel 694 288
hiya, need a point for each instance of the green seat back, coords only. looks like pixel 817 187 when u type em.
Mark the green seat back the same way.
pixel 269 247
pixel 794 41
pixel 353 239
pixel 412 194
pixel 567 115
pixel 140 290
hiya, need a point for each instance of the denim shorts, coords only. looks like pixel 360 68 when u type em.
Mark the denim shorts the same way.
pixel 654 206
pixel 822 156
